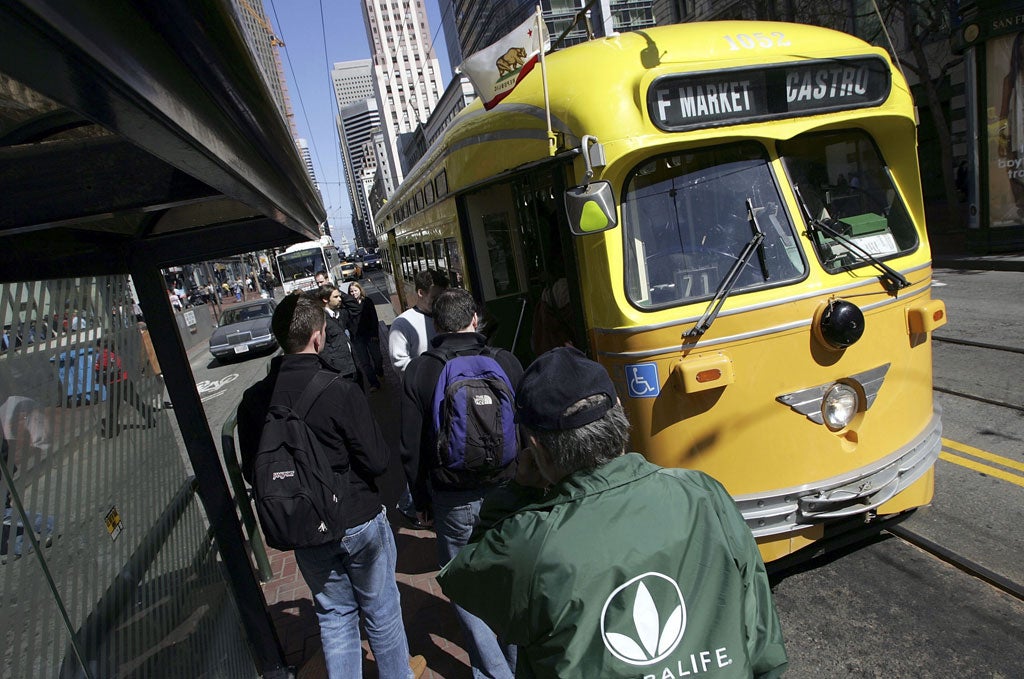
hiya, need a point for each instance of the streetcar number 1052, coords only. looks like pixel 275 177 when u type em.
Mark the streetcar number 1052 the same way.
pixel 749 42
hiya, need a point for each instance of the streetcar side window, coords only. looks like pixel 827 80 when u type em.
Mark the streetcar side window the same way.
pixel 842 184
pixel 454 263
pixel 686 222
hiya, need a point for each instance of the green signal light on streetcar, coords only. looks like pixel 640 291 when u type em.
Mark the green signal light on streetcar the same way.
pixel 592 218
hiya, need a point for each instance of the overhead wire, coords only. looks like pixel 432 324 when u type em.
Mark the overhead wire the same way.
pixel 331 106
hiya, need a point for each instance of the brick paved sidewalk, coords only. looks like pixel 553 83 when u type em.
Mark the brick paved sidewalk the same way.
pixel 429 618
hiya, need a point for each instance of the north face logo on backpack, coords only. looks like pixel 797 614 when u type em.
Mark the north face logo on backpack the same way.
pixel 482 400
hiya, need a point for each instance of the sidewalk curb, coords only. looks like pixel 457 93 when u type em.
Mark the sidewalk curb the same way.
pixel 981 263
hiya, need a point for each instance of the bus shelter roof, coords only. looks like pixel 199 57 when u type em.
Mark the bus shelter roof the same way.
pixel 139 130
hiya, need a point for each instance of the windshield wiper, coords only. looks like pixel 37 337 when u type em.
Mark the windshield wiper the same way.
pixel 892 279
pixel 733 275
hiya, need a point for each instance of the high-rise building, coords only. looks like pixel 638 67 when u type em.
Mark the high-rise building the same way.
pixel 471 25
pixel 263 42
pixel 307 162
pixel 353 81
pixel 357 124
pixel 307 159
pixel 406 73
pixel 458 95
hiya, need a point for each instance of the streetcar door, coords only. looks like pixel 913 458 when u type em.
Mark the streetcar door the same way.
pixel 522 263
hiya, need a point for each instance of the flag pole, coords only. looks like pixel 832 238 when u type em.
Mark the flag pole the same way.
pixel 552 141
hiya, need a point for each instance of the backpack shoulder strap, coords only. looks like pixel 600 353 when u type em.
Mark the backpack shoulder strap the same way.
pixel 317 386
pixel 440 355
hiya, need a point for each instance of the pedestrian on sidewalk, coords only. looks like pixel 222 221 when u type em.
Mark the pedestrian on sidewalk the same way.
pixel 595 562
pixel 412 331
pixel 110 372
pixel 337 352
pixel 25 431
pixel 450 491
pixel 365 333
pixel 354 575
pixel 410 336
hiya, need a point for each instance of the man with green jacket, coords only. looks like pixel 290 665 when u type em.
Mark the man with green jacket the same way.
pixel 597 563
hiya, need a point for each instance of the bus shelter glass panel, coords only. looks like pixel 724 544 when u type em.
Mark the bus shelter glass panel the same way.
pixel 687 217
pixel 109 569
pixel 843 185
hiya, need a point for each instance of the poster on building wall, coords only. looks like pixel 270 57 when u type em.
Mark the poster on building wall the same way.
pixel 1005 96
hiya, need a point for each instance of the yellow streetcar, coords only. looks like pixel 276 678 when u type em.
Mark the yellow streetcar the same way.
pixel 731 221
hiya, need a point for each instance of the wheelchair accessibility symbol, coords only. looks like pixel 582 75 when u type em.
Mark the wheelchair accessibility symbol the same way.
pixel 642 380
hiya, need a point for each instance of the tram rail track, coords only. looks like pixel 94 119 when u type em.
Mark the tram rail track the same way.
pixel 978 345
pixel 962 563
pixel 968 395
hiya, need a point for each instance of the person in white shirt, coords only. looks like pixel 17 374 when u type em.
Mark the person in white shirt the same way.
pixel 409 337
pixel 412 331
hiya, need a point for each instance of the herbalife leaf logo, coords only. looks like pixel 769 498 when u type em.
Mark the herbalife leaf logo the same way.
pixel 643 620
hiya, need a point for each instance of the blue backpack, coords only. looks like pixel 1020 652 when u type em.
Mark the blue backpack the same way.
pixel 474 414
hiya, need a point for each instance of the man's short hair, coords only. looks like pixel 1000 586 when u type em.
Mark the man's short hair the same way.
pixel 323 293
pixel 589 446
pixel 453 310
pixel 568 402
pixel 428 278
pixel 295 320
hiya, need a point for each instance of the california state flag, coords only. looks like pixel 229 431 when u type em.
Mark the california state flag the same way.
pixel 496 70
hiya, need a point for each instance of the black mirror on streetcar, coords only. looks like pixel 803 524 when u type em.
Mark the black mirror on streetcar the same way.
pixel 591 208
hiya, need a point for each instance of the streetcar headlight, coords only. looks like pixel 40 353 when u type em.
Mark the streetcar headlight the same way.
pixel 840 404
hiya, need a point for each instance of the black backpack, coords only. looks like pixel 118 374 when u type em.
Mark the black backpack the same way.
pixel 297 492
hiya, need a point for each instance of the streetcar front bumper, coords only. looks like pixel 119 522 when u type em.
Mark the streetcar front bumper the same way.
pixel 856 492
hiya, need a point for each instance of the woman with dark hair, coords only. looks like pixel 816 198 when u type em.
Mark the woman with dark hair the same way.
pixel 365 332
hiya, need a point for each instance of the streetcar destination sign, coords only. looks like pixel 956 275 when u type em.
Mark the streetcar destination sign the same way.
pixel 686 101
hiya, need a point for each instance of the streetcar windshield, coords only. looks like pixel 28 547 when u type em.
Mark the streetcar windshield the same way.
pixel 841 180
pixel 301 264
pixel 686 222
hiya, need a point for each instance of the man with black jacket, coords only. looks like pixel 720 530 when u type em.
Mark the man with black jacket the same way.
pixel 452 498
pixel 337 350
pixel 355 574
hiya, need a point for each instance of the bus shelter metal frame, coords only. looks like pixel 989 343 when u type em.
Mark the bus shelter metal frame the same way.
pixel 163 147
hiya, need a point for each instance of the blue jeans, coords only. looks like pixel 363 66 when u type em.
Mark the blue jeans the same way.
pixel 13 537
pixel 357 575
pixel 456 513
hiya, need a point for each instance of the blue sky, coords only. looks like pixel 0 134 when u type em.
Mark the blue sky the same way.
pixel 316 34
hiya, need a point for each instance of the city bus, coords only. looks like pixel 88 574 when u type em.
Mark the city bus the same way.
pixel 299 263
pixel 729 217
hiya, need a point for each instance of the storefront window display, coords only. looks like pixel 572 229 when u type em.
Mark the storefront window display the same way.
pixel 1005 135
